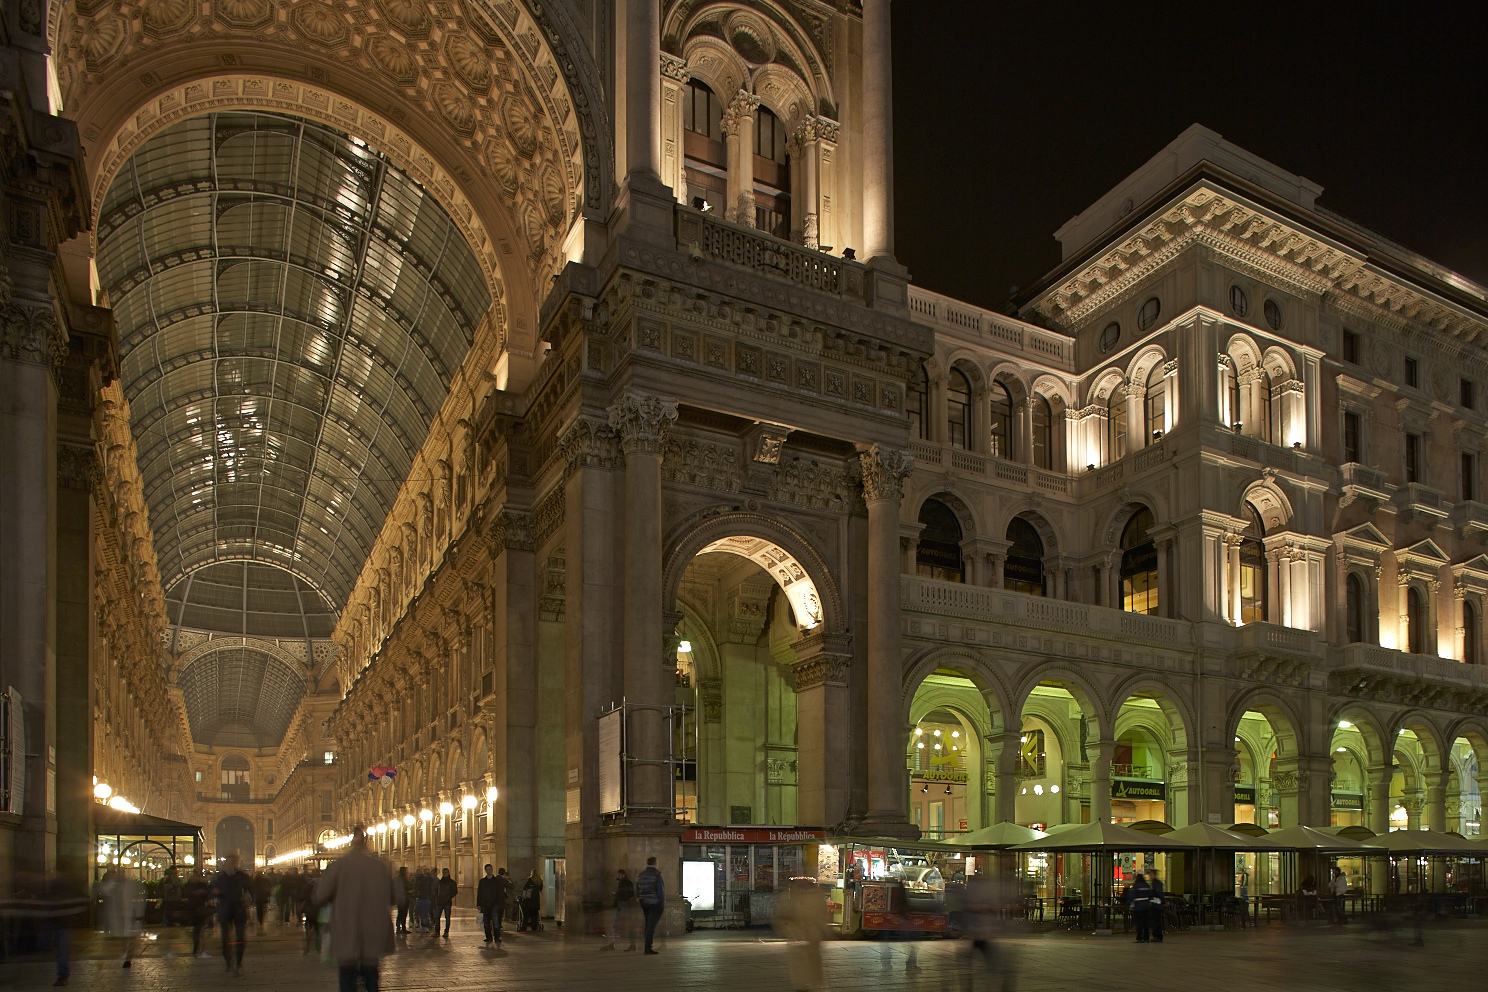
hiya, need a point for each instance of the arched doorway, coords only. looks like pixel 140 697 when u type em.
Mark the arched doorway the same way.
pixel 946 756
pixel 235 836
pixel 1149 730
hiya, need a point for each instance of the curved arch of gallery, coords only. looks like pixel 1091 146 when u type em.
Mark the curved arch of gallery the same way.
pixel 1032 510
pixel 1427 735
pixel 1055 675
pixel 964 664
pixel 1287 727
pixel 1113 522
pixel 1172 705
pixel 1363 724
pixel 944 491
pixel 791 559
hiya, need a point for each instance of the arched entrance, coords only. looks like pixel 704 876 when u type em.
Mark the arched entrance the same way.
pixel 947 756
pixel 1149 766
pixel 235 836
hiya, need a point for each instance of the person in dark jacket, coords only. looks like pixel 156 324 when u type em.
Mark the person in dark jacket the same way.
pixel 263 887
pixel 1155 911
pixel 423 887
pixel 651 891
pixel 624 916
pixel 234 892
pixel 198 895
pixel 444 901
pixel 407 883
pixel 490 898
pixel 1139 900
pixel 531 902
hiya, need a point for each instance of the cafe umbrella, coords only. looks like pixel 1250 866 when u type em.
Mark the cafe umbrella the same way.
pixel 1101 840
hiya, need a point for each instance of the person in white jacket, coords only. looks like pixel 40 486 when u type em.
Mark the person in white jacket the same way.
pixel 362 893
pixel 123 909
pixel 1340 889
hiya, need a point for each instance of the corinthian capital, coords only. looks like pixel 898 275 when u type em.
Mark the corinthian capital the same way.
pixel 641 421
pixel 741 108
pixel 513 530
pixel 884 470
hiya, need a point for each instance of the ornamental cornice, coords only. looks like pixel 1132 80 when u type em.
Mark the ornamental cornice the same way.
pixel 1247 236
pixel 674 68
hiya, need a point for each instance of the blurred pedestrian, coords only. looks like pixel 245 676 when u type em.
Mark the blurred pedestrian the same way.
pixel 651 891
pixel 531 902
pixel 623 919
pixel 1158 905
pixel 361 892
pixel 801 918
pixel 309 912
pixel 233 890
pixel 407 883
pixel 197 894
pixel 262 888
pixel 1139 901
pixel 989 894
pixel 123 910
pixel 1340 890
pixel 423 887
pixel 63 907
pixel 444 901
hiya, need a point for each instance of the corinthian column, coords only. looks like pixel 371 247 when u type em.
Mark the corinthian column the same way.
pixel 642 122
pixel 641 421
pixel 738 130
pixel 878 131
pixel 884 470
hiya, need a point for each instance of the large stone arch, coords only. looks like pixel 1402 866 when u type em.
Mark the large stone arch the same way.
pixel 1171 700
pixel 960 504
pixel 1270 502
pixel 1086 693
pixel 1368 726
pixel 790 558
pixel 484 103
pixel 1434 744
pixel 971 666
pixel 1286 722
pixel 791 74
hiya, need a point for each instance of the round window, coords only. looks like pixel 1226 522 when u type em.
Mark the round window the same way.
pixel 1272 309
pixel 1239 302
pixel 1109 337
pixel 1147 316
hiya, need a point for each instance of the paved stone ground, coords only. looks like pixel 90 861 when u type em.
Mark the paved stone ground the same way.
pixel 1352 958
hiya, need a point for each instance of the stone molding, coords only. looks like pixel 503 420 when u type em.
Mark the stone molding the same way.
pixel 884 470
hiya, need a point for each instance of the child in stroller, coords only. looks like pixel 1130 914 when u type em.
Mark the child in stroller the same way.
pixel 530 903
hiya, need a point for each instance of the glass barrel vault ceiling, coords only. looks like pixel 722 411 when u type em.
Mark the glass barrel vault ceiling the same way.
pixel 240 697
pixel 291 309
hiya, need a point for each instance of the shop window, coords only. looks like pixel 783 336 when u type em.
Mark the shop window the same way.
pixel 917 405
pixel 1415 621
pixel 1252 569
pixel 1356 597
pixel 958 409
pixel 1413 458
pixel 1157 395
pixel 1043 433
pixel 1469 632
pixel 1351 437
pixel 772 212
pixel 1116 419
pixel 938 555
pixel 1139 565
pixel 1001 421
pixel 1032 756
pixel 1023 571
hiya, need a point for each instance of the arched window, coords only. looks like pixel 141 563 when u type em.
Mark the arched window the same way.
pixel 1415 621
pixel 234 771
pixel 1263 410
pixel 1138 565
pixel 1354 593
pixel 1157 397
pixel 938 555
pixel 705 156
pixel 1233 392
pixel 1116 419
pixel 1469 632
pixel 1043 433
pixel 1024 568
pixel 958 409
pixel 1252 569
pixel 917 405
pixel 1001 421
pixel 772 212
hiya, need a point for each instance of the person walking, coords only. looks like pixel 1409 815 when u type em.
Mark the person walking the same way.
pixel 1139 900
pixel 486 900
pixel 423 886
pixel 407 883
pixel 801 918
pixel 63 907
pixel 1340 890
pixel 503 892
pixel 1158 905
pixel 360 890
pixel 262 888
pixel 651 891
pixel 444 901
pixel 531 902
pixel 198 897
pixel 123 910
pixel 624 915
pixel 233 890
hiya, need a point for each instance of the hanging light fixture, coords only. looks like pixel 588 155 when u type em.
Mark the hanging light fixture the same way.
pixel 948 790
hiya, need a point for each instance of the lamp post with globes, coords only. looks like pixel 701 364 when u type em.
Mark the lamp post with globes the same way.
pixel 446 808
pixel 427 815
pixel 468 804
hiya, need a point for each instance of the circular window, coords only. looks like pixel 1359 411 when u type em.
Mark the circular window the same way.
pixel 1272 310
pixel 1109 337
pixel 1147 316
pixel 1239 302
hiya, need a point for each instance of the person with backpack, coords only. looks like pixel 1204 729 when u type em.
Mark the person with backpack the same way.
pixel 651 892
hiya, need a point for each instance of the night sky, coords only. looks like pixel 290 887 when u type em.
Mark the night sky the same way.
pixel 1010 118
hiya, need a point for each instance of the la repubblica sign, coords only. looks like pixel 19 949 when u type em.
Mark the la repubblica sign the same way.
pixel 753 835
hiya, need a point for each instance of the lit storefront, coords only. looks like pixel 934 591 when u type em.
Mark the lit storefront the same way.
pixel 887 886
pixel 731 875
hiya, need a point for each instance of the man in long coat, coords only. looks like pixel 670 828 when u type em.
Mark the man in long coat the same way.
pixel 361 891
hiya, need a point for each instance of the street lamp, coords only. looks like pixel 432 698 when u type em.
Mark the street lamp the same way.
pixel 103 790
pixel 468 802
pixel 445 809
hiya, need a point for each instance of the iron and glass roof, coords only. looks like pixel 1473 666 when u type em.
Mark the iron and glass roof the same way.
pixel 240 697
pixel 291 310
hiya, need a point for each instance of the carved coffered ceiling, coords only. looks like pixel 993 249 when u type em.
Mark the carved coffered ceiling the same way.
pixel 1255 240
pixel 485 77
